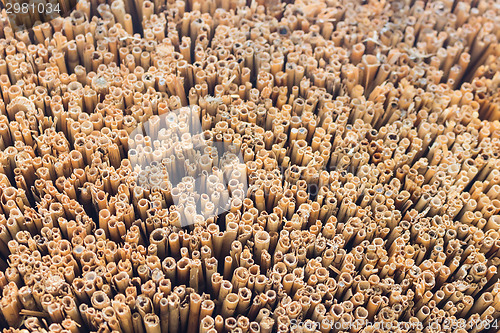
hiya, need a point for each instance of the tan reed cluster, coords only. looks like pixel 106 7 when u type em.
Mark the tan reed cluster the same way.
pixel 370 137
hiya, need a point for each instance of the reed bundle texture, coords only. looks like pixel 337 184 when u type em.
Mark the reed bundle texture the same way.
pixel 370 137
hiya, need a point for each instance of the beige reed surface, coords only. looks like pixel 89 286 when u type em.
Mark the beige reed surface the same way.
pixel 370 137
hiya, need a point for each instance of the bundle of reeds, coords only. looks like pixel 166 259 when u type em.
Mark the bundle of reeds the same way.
pixel 251 166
